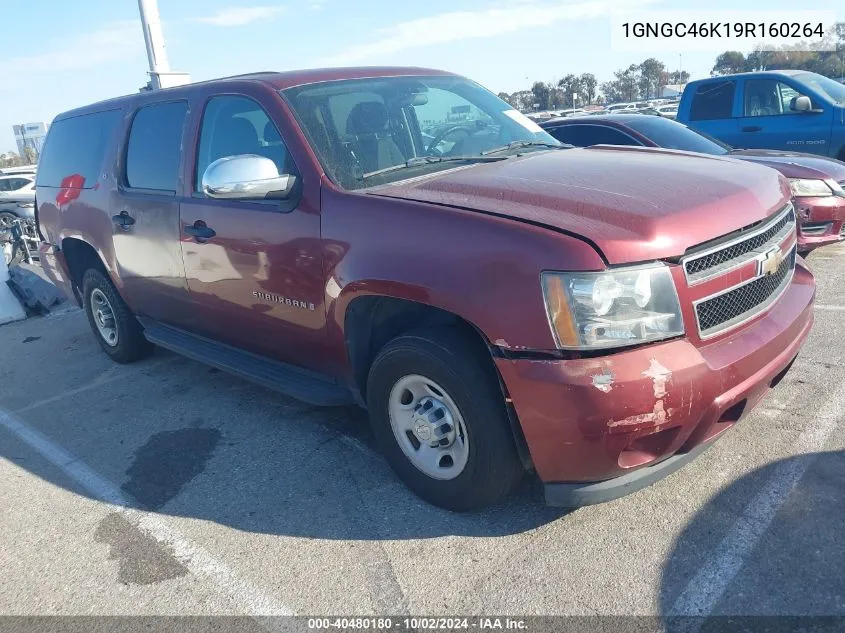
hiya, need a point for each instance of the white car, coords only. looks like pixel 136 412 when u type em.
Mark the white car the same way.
pixel 668 111
pixel 17 198
pixel 14 184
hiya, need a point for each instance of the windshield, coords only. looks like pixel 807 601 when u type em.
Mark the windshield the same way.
pixel 672 135
pixel 834 90
pixel 365 126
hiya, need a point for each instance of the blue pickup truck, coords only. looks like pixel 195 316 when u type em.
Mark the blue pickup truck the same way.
pixel 785 109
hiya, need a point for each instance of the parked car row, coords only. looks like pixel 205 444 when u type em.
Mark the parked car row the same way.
pixel 500 302
pixel 816 182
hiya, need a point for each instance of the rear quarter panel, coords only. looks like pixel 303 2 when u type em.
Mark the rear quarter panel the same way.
pixel 70 211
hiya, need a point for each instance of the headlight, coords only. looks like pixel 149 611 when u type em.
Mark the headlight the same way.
pixel 613 308
pixel 815 188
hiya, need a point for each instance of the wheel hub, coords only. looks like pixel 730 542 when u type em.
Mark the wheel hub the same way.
pixel 104 318
pixel 433 424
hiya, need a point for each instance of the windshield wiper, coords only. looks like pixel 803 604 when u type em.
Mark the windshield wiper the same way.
pixel 521 144
pixel 418 161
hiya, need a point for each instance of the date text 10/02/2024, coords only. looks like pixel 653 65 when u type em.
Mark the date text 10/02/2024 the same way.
pixel 418 623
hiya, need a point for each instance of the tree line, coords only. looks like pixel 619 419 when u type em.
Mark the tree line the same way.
pixel 830 63
pixel 638 81
pixel 11 159
pixel 647 79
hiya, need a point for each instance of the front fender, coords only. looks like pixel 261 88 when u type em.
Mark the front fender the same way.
pixel 481 268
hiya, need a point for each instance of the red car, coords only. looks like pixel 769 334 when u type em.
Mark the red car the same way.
pixel 402 239
pixel 816 181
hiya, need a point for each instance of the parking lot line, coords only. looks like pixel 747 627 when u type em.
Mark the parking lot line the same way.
pixel 196 559
pixel 707 587
pixel 830 308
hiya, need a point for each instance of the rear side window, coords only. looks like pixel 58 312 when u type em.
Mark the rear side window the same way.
pixel 586 135
pixel 713 101
pixel 76 147
pixel 154 149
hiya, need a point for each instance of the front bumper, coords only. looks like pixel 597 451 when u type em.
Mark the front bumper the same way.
pixel 618 417
pixel 824 216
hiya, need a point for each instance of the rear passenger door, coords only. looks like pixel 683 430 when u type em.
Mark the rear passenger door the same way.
pixel 257 280
pixel 712 111
pixel 145 213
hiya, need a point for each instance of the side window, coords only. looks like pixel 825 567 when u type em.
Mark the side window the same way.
pixel 154 149
pixel 233 125
pixel 713 101
pixel 4 184
pixel 75 148
pixel 18 183
pixel 586 135
pixel 768 97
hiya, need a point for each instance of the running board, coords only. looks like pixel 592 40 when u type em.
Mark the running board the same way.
pixel 295 382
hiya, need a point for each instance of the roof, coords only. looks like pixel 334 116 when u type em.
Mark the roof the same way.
pixel 621 119
pixel 277 80
pixel 772 73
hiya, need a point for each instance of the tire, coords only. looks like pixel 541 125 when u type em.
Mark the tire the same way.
pixel 482 442
pixel 128 343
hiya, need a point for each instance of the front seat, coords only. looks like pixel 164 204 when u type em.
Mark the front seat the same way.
pixel 373 145
pixel 237 136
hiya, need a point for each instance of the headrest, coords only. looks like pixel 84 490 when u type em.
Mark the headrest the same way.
pixel 367 117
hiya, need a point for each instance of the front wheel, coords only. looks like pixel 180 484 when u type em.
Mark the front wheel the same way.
pixel 439 415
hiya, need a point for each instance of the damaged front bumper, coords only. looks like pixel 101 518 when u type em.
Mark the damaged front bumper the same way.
pixel 600 428
pixel 821 221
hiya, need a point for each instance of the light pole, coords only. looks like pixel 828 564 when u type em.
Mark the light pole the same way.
pixel 160 73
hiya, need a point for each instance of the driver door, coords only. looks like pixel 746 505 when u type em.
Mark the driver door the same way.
pixel 255 272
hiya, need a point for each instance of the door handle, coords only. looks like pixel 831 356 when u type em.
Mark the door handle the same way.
pixel 199 231
pixel 123 220
pixel 752 128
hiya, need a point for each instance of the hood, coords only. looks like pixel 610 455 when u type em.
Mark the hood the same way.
pixel 795 164
pixel 634 204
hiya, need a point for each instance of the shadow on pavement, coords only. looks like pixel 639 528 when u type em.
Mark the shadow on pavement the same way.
pixel 792 566
pixel 165 432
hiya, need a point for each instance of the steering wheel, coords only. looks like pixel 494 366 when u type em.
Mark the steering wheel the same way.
pixel 449 130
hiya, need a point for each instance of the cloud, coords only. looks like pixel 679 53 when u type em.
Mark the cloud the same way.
pixel 115 41
pixel 464 25
pixel 240 16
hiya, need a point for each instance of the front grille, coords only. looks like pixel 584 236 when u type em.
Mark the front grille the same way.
pixel 727 310
pixel 720 258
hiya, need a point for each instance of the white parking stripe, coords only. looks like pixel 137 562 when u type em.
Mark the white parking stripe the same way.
pixel 706 588
pixel 196 559
pixel 830 308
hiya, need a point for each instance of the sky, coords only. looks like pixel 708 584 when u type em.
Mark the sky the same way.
pixel 67 54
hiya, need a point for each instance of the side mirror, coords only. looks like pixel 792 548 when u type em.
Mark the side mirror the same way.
pixel 246 177
pixel 802 104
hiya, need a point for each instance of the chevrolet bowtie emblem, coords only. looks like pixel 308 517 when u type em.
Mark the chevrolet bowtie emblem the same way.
pixel 769 262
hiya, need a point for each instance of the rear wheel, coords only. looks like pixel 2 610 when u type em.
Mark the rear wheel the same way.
pixel 439 416
pixel 115 327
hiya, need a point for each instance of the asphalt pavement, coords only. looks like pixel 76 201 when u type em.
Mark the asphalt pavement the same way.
pixel 167 487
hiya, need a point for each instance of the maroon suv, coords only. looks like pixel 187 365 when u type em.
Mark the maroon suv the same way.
pixel 402 239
